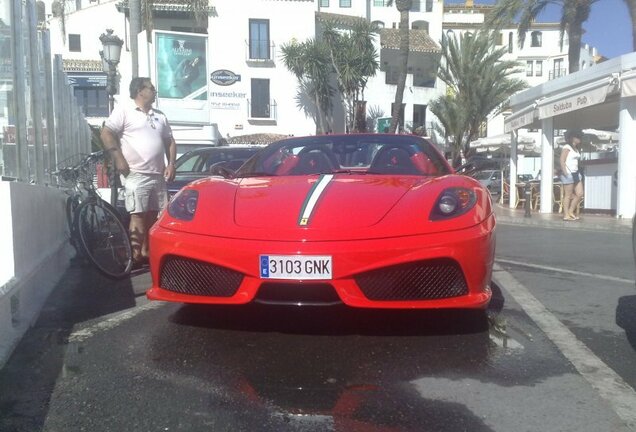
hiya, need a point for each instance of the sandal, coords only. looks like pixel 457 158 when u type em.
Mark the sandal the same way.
pixel 568 218
pixel 140 262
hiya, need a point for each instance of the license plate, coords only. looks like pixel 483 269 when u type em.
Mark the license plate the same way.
pixel 295 267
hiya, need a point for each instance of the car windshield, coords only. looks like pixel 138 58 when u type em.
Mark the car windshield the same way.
pixel 203 161
pixel 359 153
pixel 483 175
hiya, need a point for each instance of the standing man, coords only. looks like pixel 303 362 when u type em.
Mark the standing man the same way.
pixel 140 140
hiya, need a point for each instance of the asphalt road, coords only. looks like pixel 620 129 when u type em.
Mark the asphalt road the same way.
pixel 556 352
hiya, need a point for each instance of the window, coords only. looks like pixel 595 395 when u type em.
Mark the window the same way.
pixel 259 106
pixel 380 3
pixel 429 5
pixel 539 70
pixel 259 39
pixel 74 43
pixel 324 3
pixel 391 75
pixel 510 39
pixel 424 77
pixel 529 65
pixel 345 3
pixel 415 6
pixel 92 100
pixel 420 25
pixel 557 69
pixel 536 39
pixel 499 39
pixel 419 116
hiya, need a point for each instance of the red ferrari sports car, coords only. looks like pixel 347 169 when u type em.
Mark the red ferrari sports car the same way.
pixel 368 220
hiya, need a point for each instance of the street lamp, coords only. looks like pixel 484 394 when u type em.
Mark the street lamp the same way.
pixel 110 54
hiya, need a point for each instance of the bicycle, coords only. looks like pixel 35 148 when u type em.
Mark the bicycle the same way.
pixel 96 229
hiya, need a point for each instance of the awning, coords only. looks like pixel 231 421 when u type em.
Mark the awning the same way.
pixel 519 119
pixel 497 142
pixel 628 84
pixel 575 99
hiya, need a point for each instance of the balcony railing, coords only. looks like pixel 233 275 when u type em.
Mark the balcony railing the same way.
pixel 557 73
pixel 258 51
pixel 261 111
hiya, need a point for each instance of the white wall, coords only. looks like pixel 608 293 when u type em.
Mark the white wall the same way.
pixel 40 251
pixel 228 36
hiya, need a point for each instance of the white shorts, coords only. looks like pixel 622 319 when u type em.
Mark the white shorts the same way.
pixel 145 192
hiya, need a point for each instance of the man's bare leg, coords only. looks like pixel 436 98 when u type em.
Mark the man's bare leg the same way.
pixel 149 220
pixel 137 230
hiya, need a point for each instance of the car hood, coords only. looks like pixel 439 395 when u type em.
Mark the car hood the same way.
pixel 320 202
pixel 321 208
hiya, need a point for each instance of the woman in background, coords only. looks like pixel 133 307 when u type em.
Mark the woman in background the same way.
pixel 570 175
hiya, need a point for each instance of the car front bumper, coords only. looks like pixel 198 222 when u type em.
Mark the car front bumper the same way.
pixel 355 265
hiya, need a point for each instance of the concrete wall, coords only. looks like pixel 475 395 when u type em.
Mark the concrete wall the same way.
pixel 35 253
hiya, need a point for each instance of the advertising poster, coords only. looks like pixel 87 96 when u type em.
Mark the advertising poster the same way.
pixel 181 66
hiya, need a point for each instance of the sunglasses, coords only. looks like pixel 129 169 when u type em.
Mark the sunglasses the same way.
pixel 151 121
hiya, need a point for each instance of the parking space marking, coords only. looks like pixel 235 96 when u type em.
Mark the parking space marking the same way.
pixel 609 385
pixel 110 323
pixel 561 270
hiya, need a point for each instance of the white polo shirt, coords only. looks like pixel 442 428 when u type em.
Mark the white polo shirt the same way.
pixel 143 137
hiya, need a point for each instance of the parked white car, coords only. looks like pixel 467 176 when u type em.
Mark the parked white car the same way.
pixel 491 179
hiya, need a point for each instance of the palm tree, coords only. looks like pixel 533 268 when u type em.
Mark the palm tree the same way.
pixel 631 5
pixel 479 84
pixel 349 56
pixel 354 60
pixel 573 14
pixel 403 6
pixel 310 62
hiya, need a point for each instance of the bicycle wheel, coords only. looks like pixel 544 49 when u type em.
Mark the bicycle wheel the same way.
pixel 103 238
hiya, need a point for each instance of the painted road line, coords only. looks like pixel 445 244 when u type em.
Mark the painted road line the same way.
pixel 561 270
pixel 110 323
pixel 609 385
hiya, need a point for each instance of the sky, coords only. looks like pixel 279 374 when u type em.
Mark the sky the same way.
pixel 608 28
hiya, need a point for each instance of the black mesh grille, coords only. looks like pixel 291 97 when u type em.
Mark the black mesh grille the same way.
pixel 305 293
pixel 423 280
pixel 187 276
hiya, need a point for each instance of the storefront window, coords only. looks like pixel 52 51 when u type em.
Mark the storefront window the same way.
pixel 7 116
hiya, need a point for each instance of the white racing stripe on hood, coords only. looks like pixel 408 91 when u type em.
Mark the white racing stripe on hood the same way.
pixel 311 200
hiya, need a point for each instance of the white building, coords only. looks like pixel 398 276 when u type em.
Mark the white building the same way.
pixel 249 90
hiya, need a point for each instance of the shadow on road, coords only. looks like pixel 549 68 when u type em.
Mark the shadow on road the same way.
pixel 81 295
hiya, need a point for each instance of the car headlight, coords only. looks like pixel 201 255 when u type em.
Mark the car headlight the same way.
pixel 184 204
pixel 452 203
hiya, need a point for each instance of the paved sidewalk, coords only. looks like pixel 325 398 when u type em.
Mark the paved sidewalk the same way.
pixel 594 222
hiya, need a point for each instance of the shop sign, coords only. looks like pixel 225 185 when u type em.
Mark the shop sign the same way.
pixel 224 77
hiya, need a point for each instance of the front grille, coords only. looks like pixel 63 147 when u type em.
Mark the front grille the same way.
pixel 314 294
pixel 422 280
pixel 188 276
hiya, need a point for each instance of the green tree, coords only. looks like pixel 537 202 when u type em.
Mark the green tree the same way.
pixel 573 14
pixel 403 6
pixel 347 56
pixel 354 60
pixel 478 84
pixel 310 62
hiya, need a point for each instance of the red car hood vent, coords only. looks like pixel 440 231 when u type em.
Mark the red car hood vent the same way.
pixel 341 201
